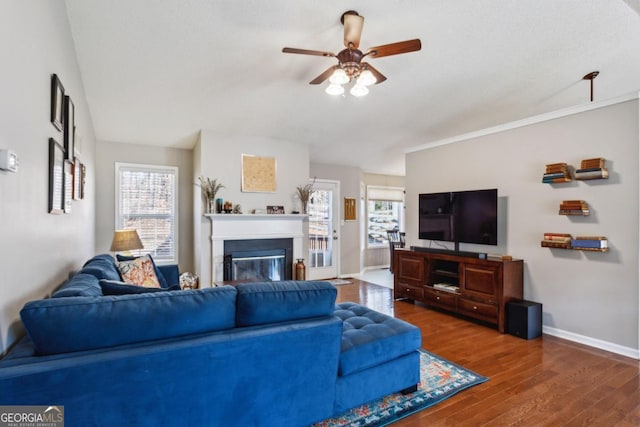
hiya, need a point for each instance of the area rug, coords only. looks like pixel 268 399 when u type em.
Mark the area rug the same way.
pixel 338 282
pixel 439 380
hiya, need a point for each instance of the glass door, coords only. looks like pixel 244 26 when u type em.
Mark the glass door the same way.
pixel 324 226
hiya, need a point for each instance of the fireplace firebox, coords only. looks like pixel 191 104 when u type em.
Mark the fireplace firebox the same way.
pixel 258 259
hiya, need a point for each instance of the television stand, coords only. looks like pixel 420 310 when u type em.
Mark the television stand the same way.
pixel 466 285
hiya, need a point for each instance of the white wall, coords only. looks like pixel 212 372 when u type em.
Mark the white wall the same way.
pixel 38 250
pixel 587 296
pixel 111 152
pixel 219 156
pixel 349 178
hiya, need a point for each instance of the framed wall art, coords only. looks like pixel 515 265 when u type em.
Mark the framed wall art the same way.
pixel 349 208
pixel 56 177
pixel 69 128
pixel 258 174
pixel 77 179
pixel 68 186
pixel 83 179
pixel 57 100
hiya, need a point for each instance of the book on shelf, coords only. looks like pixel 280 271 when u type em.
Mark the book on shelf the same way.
pixel 562 237
pixel 564 178
pixel 594 174
pixel 590 238
pixel 555 244
pixel 446 287
pixel 555 167
pixel 554 175
pixel 585 243
pixel 597 162
pixel 583 212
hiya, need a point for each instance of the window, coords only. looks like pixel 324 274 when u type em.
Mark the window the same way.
pixel 384 212
pixel 146 198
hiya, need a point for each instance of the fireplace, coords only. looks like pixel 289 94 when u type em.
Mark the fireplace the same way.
pixel 255 228
pixel 258 259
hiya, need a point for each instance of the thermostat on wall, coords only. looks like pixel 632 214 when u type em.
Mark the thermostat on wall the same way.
pixel 8 160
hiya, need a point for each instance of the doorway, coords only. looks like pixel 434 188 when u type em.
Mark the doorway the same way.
pixel 324 230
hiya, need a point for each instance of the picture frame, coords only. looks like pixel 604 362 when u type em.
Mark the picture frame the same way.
pixel 77 179
pixel 69 128
pixel 349 208
pixel 275 210
pixel 83 180
pixel 67 195
pixel 57 102
pixel 56 177
pixel 258 174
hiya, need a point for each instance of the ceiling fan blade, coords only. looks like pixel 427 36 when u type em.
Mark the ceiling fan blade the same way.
pixel 324 76
pixel 377 74
pixel 395 48
pixel 352 30
pixel 307 52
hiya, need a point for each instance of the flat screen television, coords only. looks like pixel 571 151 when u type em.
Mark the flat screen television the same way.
pixel 459 216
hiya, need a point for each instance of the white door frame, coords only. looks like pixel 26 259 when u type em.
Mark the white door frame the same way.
pixel 334 270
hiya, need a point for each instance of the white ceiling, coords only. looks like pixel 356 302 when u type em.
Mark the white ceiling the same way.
pixel 157 71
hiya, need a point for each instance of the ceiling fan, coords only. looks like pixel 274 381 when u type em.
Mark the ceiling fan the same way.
pixel 350 60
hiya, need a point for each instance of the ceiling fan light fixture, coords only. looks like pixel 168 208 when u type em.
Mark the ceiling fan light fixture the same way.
pixel 334 89
pixel 339 77
pixel 366 78
pixel 359 90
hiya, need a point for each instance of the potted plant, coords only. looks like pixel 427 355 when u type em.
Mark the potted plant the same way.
pixel 304 194
pixel 209 188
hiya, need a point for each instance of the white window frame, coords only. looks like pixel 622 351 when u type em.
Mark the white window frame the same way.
pixel 383 193
pixel 119 167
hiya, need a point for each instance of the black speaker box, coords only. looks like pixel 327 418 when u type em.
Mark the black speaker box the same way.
pixel 524 319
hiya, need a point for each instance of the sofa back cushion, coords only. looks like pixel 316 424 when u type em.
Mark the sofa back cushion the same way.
pixel 60 325
pixel 269 302
pixel 103 267
pixel 80 285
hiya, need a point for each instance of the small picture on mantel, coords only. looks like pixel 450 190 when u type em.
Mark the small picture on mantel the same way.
pixel 275 210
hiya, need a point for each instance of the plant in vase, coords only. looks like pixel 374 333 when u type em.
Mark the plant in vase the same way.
pixel 304 194
pixel 209 188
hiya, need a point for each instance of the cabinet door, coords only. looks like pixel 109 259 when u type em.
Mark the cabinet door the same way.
pixel 410 268
pixel 480 282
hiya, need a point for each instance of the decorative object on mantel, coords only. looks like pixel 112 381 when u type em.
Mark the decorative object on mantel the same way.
pixel 227 207
pixel 275 210
pixel 304 193
pixel 209 188
pixel 237 209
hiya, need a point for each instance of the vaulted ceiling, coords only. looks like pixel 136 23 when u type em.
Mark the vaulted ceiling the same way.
pixel 157 71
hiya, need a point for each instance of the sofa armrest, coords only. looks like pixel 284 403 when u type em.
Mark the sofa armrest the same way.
pixel 171 273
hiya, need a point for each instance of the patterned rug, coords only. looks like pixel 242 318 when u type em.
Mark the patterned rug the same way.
pixel 439 380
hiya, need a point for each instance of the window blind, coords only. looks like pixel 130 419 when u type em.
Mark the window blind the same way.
pixel 146 199
pixel 392 194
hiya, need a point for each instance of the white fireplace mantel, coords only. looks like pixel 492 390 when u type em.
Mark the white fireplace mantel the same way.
pixel 249 227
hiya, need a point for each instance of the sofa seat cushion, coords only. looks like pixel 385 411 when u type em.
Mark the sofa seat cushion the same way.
pixel 114 287
pixel 80 285
pixel 102 267
pixel 269 302
pixel 370 338
pixel 60 325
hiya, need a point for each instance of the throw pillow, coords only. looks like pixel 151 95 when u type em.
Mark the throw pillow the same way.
pixel 139 272
pixel 114 287
pixel 159 275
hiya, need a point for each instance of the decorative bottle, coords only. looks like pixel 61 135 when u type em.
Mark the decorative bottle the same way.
pixel 300 269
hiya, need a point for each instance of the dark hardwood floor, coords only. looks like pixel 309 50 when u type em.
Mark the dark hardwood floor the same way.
pixel 542 382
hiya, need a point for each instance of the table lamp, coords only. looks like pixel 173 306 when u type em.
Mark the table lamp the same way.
pixel 125 241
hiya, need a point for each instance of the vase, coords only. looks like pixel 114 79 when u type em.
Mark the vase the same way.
pixel 210 207
pixel 300 269
pixel 305 207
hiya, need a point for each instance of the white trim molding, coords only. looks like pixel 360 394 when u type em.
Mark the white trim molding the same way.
pixel 593 342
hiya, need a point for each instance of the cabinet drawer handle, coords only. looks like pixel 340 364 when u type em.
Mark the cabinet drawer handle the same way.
pixel 438 298
pixel 475 308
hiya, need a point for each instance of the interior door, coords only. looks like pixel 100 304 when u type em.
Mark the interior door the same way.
pixel 324 230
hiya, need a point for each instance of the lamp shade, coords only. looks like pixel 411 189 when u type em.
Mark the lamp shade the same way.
pixel 125 240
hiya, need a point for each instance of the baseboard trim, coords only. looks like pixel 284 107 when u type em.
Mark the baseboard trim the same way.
pixel 593 342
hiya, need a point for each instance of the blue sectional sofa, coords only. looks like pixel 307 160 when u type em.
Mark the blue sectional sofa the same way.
pixel 263 354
